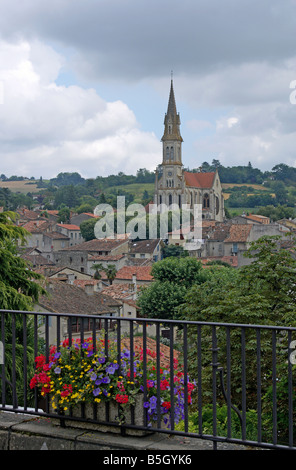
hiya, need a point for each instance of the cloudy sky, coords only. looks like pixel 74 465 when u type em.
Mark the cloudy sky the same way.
pixel 84 84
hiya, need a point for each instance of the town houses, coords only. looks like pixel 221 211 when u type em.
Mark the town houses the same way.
pixel 111 270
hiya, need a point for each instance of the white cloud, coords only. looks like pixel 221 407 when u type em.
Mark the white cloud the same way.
pixel 46 128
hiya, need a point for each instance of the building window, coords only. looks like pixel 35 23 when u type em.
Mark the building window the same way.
pixel 217 205
pixel 206 201
pixel 172 153
pixel 170 200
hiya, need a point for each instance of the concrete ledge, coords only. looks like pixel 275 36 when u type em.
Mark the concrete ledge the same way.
pixel 22 432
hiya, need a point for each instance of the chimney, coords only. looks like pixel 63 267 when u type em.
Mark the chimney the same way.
pixel 89 289
pixel 134 278
pixel 71 278
pixel 99 286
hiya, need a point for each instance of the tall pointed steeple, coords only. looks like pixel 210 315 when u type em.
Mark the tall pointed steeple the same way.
pixel 172 119
pixel 171 139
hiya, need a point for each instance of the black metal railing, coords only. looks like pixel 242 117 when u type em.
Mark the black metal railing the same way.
pixel 227 383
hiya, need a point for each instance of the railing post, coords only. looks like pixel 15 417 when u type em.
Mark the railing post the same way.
pixel 215 364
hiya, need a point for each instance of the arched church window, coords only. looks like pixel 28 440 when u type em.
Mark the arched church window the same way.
pixel 217 205
pixel 170 199
pixel 160 199
pixel 206 201
pixel 180 201
pixel 167 153
pixel 172 153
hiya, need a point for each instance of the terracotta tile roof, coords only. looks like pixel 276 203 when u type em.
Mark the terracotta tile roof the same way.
pixel 199 180
pixel 143 273
pixel 143 246
pixel 67 298
pixel 232 260
pixel 52 212
pixel 85 282
pixel 36 226
pixel 27 213
pixel 69 226
pixel 105 244
pixel 119 291
pixel 56 235
pixel 219 233
pixel 238 233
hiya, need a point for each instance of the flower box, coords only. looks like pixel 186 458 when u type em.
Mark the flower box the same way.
pixel 106 417
pixel 83 380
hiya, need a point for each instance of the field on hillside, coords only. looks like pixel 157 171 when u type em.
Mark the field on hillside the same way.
pixel 137 189
pixel 25 186
pixel 255 186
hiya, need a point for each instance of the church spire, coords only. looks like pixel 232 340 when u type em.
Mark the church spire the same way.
pixel 172 118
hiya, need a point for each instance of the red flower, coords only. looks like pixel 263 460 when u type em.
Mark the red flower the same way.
pixel 166 405
pixel 33 382
pixel 164 384
pixel 40 362
pixel 67 390
pixel 121 398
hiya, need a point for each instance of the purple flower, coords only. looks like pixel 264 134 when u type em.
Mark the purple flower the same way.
pixel 101 360
pixel 96 391
pixel 57 355
pixel 112 368
pixel 57 370
pixel 93 376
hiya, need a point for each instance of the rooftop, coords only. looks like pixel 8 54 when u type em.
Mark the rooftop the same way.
pixel 238 233
pixel 105 244
pixel 143 273
pixel 68 298
pixel 199 180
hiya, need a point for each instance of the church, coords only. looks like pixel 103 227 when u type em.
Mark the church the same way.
pixel 174 185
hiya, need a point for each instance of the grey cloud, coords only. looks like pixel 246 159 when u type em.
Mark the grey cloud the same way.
pixel 133 39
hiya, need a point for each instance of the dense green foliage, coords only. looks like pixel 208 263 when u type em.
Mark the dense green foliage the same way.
pixel 19 290
pixel 172 278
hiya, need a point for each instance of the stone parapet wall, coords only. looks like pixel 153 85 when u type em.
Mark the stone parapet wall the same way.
pixel 24 432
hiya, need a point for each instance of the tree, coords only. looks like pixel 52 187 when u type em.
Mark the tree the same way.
pixel 110 273
pixel 97 267
pixel 172 278
pixel 87 229
pixel 64 214
pixel 174 250
pixel 261 293
pixel 20 288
